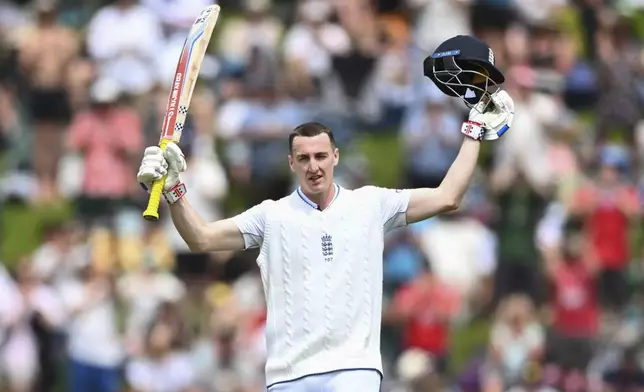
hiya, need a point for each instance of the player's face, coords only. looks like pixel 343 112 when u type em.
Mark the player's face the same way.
pixel 312 160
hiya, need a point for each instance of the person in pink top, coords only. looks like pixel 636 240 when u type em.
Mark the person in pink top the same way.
pixel 109 136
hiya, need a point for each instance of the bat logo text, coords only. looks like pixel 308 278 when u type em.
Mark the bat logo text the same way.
pixel 175 95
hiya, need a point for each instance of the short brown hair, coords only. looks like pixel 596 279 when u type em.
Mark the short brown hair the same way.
pixel 310 129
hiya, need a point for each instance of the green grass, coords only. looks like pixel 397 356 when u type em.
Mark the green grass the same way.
pixel 21 228
pixel 466 341
pixel 384 153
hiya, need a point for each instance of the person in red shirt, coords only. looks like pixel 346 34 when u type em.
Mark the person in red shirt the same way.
pixel 425 308
pixel 572 272
pixel 606 206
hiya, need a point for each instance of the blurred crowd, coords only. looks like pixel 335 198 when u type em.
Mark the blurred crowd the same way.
pixel 538 273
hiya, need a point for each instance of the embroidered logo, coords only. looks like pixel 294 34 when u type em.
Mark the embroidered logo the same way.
pixel 327 247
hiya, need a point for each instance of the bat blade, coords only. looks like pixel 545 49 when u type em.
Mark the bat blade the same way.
pixel 183 84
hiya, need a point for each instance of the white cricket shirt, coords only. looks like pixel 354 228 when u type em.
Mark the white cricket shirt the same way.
pixel 322 278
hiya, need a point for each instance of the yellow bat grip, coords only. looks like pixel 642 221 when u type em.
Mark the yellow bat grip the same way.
pixel 151 213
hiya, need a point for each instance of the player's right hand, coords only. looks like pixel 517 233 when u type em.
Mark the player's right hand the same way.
pixel 157 163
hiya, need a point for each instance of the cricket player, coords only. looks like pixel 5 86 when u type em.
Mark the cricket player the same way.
pixel 321 246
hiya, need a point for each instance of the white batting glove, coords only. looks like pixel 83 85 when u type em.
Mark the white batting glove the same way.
pixel 157 163
pixel 493 123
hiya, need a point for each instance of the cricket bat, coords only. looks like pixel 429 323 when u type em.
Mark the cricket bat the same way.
pixel 183 84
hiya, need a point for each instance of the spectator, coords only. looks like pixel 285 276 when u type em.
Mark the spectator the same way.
pixel 607 205
pixel 108 136
pixel 94 345
pixel 46 50
pixel 469 271
pixel 312 40
pixel 572 269
pixel 130 63
pixel 403 260
pixel 164 365
pixel 145 290
pixel 256 29
pixel 227 359
pixel 426 308
pixel 517 342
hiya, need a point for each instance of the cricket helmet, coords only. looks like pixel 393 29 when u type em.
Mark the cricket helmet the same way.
pixel 463 66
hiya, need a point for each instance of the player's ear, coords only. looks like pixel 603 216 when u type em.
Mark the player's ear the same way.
pixel 336 157
pixel 290 162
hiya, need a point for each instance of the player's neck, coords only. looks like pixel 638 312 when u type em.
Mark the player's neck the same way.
pixel 324 199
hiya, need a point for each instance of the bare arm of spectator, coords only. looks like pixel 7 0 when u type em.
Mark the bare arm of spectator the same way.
pixel 503 176
pixel 629 203
pixel 551 256
pixel 401 307
pixel 79 134
pixel 583 202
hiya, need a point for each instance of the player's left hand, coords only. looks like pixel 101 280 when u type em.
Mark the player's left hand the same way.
pixel 495 119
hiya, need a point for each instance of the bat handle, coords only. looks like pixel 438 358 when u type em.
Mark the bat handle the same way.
pixel 151 213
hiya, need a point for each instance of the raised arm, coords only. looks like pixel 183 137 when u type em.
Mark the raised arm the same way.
pixel 201 236
pixel 198 235
pixel 427 202
pixel 490 125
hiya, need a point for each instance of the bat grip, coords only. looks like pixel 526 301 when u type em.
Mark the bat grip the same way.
pixel 151 213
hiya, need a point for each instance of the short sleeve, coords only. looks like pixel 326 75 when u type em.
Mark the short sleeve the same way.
pixel 251 224
pixel 393 206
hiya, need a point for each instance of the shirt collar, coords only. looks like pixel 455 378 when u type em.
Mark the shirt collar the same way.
pixel 313 204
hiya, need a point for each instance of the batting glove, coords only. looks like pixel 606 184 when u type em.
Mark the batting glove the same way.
pixel 492 122
pixel 157 163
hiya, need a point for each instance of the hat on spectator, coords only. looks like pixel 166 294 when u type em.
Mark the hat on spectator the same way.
pixel 613 155
pixel 463 66
pixel 105 90
pixel 413 364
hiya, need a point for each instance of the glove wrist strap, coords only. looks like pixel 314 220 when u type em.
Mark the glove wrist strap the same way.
pixel 473 130
pixel 175 193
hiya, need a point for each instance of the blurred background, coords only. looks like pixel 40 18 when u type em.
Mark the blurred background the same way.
pixel 534 284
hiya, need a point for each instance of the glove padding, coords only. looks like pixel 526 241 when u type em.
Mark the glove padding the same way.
pixel 498 116
pixel 157 163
